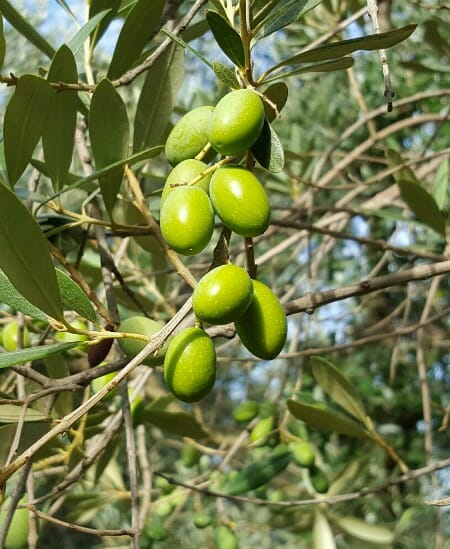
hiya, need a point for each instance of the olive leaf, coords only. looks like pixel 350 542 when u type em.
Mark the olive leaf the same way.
pixel 74 298
pixel 226 37
pixel 268 149
pixel 83 34
pixel 11 297
pixel 225 75
pixel 2 43
pixel 277 94
pixel 11 413
pixel 360 529
pixel 35 353
pixel 96 7
pixel 287 11
pixel 441 191
pixel 322 534
pixel 178 423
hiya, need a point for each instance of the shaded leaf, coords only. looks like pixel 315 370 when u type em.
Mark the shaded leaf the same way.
pixel 364 531
pixel 441 185
pixel 140 24
pixel 322 534
pixel 7 434
pixel 24 28
pixel 25 118
pixel 287 12
pixel 105 458
pixel 11 297
pixel 422 205
pixel 59 132
pixel 11 413
pixel 323 418
pixel 74 298
pixel 338 387
pixel 226 37
pixel 57 368
pixel 178 423
pixel 225 75
pixel 157 98
pixel 35 353
pixel 257 473
pixel 2 43
pixel 277 94
pixel 25 258
pixel 327 66
pixel 97 6
pixel 109 132
pixel 268 149
pixel 83 34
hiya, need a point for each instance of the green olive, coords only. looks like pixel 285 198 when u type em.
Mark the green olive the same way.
pixel 190 455
pixel 11 335
pixel 183 173
pixel 144 326
pixel 245 411
pixel 263 326
pixel 187 220
pixel 17 537
pixel 222 295
pixel 262 429
pixel 68 337
pixel 236 122
pixel 190 365
pixel 303 453
pixel 240 200
pixel 189 135
pixel 225 538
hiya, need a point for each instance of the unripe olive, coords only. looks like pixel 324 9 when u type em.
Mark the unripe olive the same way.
pixel 222 295
pixel 183 173
pixel 190 455
pixel 303 453
pixel 236 122
pixel 190 365
pixel 262 429
pixel 189 135
pixel 263 326
pixel 319 481
pixel 68 337
pixel 11 335
pixel 145 326
pixel 245 411
pixel 17 537
pixel 187 220
pixel 202 521
pixel 225 538
pixel 240 200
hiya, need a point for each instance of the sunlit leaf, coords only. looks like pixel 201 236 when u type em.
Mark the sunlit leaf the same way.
pixel 25 258
pixel 441 190
pixel 25 118
pixel 11 413
pixel 59 132
pixel 364 531
pixel 226 37
pixel 268 149
pixel 11 297
pixel 142 21
pixel 83 34
pixel 35 353
pixel 74 298
pixel 322 534
pixel 286 12
pixel 226 75
pixel 178 423
pixel 338 387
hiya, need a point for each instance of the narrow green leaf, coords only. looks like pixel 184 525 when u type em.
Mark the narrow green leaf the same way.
pixel 422 205
pixel 97 6
pixel 441 190
pixel 59 132
pixel 186 46
pixel 2 43
pixel 338 387
pixel 277 94
pixel 35 353
pixel 322 534
pixel 11 297
pixel 226 37
pixel 225 75
pixel 74 298
pixel 268 149
pixel 257 473
pixel 11 413
pixel 109 133
pixel 288 11
pixel 140 24
pixel 23 27
pixel 24 123
pixel 326 66
pixel 157 98
pixel 25 258
pixel 364 531
pixel 323 418
pixel 178 423
pixel 345 47
pixel 67 9
pixel 83 34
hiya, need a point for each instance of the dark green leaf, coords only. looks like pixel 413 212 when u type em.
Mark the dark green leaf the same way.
pixel 338 387
pixel 257 473
pixel 320 417
pixel 83 34
pixel 345 47
pixel 23 27
pixel 11 413
pixel 226 37
pixel 441 185
pixel 287 12
pixel 225 75
pixel 11 297
pixel 109 132
pixel 157 98
pixel 277 94
pixel 2 43
pixel 178 423
pixel 35 353
pixel 97 6
pixel 25 258
pixel 364 531
pixel 422 205
pixel 7 434
pixel 59 132
pixel 74 298
pixel 24 123
pixel 268 149
pixel 140 24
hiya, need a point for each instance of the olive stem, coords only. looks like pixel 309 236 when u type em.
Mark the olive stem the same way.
pixel 206 171
pixel 246 36
pixel 250 256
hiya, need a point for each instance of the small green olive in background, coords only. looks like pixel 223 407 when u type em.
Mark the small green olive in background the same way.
pixel 11 335
pixel 245 411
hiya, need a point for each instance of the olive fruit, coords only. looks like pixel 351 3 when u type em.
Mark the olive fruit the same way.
pixel 187 220
pixel 203 521
pixel 303 453
pixel 183 173
pixel 262 429
pixel 240 200
pixel 236 122
pixel 319 481
pixel 17 537
pixel 145 326
pixel 68 337
pixel 189 135
pixel 245 411
pixel 190 455
pixel 225 538
pixel 190 365
pixel 263 326
pixel 222 295
pixel 11 335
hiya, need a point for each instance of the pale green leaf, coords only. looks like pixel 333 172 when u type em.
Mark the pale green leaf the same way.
pixel 35 353
pixel 226 37
pixel 25 118
pixel 11 297
pixel 338 387
pixel 142 21
pixel 326 66
pixel 157 98
pixel 287 12
pixel 225 75
pixel 2 43
pixel 364 531
pixel 25 258
pixel 11 413
pixel 268 149
pixel 178 423
pixel 441 188
pixel 59 132
pixel 322 534
pixel 83 34
pixel 74 298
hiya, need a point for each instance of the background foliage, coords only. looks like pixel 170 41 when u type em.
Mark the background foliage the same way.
pixel 357 252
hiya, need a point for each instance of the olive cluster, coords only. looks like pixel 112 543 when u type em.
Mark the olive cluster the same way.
pixel 193 194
